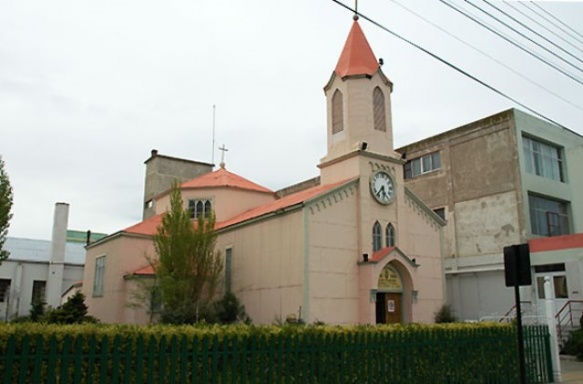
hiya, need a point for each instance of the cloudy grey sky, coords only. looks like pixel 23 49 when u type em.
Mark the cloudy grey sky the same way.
pixel 88 88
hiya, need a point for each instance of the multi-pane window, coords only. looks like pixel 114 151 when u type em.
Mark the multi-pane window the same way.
pixel 380 123
pixel 377 238
pixel 38 291
pixel 337 112
pixel 228 268
pixel 4 290
pixel 98 276
pixel 542 159
pixel 548 217
pixel 423 164
pixel 199 207
pixel 390 235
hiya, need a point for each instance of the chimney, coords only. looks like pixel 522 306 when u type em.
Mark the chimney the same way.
pixel 54 287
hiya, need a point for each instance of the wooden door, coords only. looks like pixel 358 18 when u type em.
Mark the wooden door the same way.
pixel 389 308
pixel 393 308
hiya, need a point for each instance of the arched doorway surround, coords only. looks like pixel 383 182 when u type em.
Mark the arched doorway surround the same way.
pixel 394 294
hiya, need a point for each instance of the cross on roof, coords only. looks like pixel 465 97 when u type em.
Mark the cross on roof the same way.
pixel 223 149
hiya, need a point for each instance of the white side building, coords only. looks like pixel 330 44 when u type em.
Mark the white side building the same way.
pixel 42 270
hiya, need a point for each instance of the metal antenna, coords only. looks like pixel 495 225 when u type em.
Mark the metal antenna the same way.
pixel 213 151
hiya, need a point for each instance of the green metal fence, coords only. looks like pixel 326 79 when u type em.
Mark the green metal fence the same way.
pixel 451 356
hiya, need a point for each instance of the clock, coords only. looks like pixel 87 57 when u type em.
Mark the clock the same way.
pixel 382 187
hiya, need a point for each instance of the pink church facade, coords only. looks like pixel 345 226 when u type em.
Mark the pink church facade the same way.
pixel 355 247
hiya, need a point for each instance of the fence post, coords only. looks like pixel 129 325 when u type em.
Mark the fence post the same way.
pixel 551 322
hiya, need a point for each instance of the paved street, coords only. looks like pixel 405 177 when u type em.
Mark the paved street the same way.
pixel 571 370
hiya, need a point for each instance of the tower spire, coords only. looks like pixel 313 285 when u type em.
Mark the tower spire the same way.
pixel 357 57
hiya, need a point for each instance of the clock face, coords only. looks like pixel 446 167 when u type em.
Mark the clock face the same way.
pixel 382 187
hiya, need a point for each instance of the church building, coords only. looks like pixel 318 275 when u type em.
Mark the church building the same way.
pixel 352 246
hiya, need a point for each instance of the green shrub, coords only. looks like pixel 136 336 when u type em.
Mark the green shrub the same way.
pixel 229 310
pixel 445 315
pixel 574 345
pixel 37 311
pixel 74 311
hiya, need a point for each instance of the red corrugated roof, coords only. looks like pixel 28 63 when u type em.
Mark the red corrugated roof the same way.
pixel 146 227
pixel 150 226
pixel 224 178
pixel 556 243
pixel 357 57
pixel 283 203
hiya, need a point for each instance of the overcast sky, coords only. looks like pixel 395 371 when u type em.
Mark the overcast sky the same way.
pixel 89 88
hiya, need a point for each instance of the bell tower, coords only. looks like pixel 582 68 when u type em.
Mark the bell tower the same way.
pixel 358 97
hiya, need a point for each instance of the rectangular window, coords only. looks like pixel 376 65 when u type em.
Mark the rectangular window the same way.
pixel 98 277
pixel 198 207
pixel 542 159
pixel 228 269
pixel 38 291
pixel 4 290
pixel 423 164
pixel 548 217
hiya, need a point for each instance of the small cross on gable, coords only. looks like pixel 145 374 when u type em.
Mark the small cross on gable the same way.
pixel 223 149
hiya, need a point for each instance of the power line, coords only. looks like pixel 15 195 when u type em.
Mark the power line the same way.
pixel 540 24
pixel 561 22
pixel 485 54
pixel 536 33
pixel 484 25
pixel 436 57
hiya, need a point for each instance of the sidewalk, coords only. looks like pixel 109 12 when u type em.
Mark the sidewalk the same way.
pixel 571 370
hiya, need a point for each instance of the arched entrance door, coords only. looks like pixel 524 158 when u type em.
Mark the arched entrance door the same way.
pixel 389 299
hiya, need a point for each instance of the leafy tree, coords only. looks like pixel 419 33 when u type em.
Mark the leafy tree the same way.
pixel 5 207
pixel 188 269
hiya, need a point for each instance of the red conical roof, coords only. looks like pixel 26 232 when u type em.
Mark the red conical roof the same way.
pixel 357 57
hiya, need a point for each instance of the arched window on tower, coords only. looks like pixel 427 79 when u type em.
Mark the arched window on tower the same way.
pixel 337 112
pixel 390 235
pixel 378 100
pixel 377 238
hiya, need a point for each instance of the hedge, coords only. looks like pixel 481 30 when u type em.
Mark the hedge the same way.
pixel 93 353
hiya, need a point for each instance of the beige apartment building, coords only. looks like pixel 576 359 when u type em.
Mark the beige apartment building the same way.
pixel 353 245
pixel 506 179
